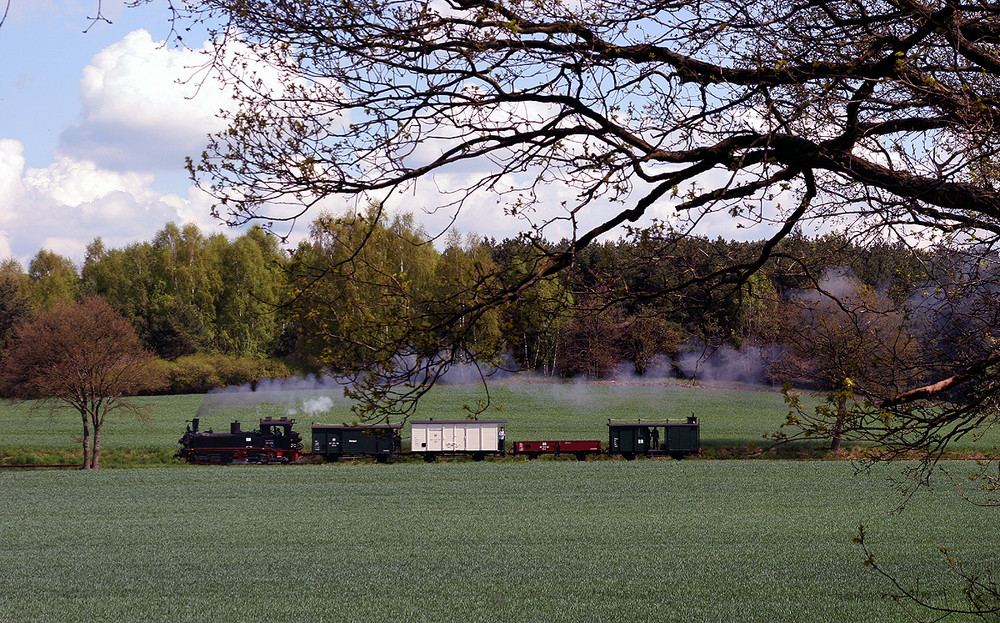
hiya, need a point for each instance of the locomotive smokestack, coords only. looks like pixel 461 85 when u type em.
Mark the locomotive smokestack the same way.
pixel 234 428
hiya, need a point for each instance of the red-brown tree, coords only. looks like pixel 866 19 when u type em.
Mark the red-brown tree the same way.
pixel 83 356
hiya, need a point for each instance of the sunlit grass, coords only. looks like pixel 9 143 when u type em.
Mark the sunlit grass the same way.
pixel 730 418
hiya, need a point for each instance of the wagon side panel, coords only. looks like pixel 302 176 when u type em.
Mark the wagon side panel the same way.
pixel 472 437
pixel 683 438
pixel 418 437
pixel 490 437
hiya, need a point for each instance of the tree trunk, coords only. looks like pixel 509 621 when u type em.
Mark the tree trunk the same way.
pixel 838 425
pixel 95 457
pixel 86 441
pixel 838 429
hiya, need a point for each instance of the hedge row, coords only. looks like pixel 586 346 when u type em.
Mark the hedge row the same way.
pixel 200 373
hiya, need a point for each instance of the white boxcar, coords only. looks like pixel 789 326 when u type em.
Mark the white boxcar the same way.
pixel 475 437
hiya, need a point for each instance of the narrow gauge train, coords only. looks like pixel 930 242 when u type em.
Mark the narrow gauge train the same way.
pixel 479 438
pixel 430 438
pixel 273 442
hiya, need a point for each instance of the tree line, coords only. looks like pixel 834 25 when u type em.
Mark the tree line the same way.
pixel 361 292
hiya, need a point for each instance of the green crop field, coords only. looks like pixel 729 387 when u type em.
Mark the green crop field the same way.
pixel 541 541
pixel 502 540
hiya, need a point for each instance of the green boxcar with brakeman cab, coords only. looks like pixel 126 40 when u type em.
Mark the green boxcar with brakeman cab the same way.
pixel 333 442
pixel 654 438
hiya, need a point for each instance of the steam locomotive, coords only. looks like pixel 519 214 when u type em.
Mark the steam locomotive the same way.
pixel 276 442
pixel 273 442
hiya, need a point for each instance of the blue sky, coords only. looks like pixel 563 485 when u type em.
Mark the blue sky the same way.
pixel 95 126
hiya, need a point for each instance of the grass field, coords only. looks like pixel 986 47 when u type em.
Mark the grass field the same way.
pixel 730 418
pixel 542 541
pixel 503 540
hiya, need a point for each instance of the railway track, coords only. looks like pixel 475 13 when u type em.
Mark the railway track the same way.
pixel 38 466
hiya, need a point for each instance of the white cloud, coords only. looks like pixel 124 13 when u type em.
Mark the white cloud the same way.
pixel 145 106
pixel 76 182
pixel 137 121
pixel 73 248
pixel 141 115
pixel 5 250
pixel 69 203
pixel 11 169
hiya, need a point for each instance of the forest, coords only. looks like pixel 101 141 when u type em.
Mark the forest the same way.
pixel 220 310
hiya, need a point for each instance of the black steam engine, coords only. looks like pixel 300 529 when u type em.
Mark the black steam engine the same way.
pixel 273 442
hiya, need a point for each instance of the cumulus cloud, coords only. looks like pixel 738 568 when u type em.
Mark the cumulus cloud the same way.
pixel 140 117
pixel 11 169
pixel 145 106
pixel 65 205
pixel 76 183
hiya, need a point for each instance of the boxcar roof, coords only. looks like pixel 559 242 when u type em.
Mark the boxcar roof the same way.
pixel 359 427
pixel 648 424
pixel 458 421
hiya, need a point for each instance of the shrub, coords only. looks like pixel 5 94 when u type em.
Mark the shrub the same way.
pixel 198 374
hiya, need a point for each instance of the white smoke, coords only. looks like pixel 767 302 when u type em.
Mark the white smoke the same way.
pixel 310 395
pixel 722 364
pixel 317 405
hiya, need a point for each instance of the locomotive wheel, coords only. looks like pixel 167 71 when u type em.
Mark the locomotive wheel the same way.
pixel 262 458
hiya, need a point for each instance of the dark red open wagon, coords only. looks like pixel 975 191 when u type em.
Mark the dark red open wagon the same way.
pixel 580 449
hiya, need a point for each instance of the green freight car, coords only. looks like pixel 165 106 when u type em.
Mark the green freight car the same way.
pixel 654 438
pixel 333 442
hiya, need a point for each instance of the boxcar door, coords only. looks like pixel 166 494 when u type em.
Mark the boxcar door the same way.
pixel 473 437
pixel 434 438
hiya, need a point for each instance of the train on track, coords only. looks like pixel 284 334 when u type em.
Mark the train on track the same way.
pixel 273 442
pixel 276 442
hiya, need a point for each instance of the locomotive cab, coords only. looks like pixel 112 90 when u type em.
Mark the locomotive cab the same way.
pixel 280 427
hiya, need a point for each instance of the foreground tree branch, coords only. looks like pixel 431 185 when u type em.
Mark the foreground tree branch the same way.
pixel 875 117
pixel 972 372
pixel 979 594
